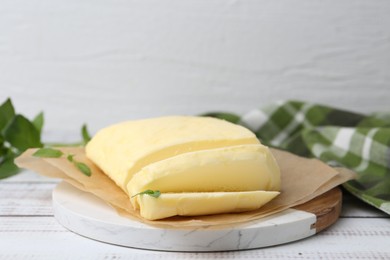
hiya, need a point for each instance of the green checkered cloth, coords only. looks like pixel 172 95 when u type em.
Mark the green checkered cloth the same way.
pixel 340 138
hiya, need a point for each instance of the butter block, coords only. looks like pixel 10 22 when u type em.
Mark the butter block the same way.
pixel 200 165
pixel 124 149
pixel 237 168
pixel 202 203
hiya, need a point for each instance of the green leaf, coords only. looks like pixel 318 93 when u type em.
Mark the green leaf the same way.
pixel 38 122
pixel 7 112
pixel 83 168
pixel 85 134
pixel 70 157
pixel 48 153
pixel 153 193
pixel 230 117
pixel 22 134
pixel 3 151
pixel 8 168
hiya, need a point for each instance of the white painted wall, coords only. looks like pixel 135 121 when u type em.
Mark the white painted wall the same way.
pixel 105 61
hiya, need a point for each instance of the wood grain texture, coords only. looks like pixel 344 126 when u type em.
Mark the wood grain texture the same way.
pixel 22 193
pixel 27 199
pixel 361 233
pixel 326 207
pixel 107 62
pixel 43 237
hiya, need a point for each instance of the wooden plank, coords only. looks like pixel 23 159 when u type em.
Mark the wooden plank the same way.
pixel 26 198
pixel 34 198
pixel 28 176
pixel 43 237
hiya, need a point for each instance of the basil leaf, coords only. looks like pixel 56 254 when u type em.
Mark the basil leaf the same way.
pixel 83 168
pixel 22 134
pixel 7 112
pixel 224 116
pixel 38 122
pixel 85 134
pixel 70 157
pixel 17 134
pixel 153 193
pixel 48 153
pixel 8 168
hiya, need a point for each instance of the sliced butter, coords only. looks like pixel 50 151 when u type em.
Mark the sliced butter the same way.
pixel 200 165
pixel 202 203
pixel 124 149
pixel 236 168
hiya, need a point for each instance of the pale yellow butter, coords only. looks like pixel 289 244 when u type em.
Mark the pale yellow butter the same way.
pixel 123 149
pixel 202 203
pixel 236 168
pixel 200 165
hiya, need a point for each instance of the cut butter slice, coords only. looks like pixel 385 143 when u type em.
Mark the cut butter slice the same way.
pixel 236 168
pixel 124 149
pixel 203 203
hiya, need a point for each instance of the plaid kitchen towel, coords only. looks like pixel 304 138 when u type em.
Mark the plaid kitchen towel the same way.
pixel 340 138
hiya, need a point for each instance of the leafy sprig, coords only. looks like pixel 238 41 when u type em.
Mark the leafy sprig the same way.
pixel 18 133
pixel 55 153
pixel 153 193
pixel 48 153
pixel 79 165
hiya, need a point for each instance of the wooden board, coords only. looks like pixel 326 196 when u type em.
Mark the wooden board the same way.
pixel 87 215
pixel 326 207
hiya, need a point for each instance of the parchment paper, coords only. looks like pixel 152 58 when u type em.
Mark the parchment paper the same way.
pixel 302 180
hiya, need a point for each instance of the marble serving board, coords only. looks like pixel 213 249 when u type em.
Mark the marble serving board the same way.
pixel 87 215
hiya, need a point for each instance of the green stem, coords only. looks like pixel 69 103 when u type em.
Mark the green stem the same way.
pixel 64 144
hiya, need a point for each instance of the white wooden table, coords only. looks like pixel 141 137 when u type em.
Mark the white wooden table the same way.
pixel 29 230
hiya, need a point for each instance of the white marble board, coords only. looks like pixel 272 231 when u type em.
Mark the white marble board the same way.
pixel 87 215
